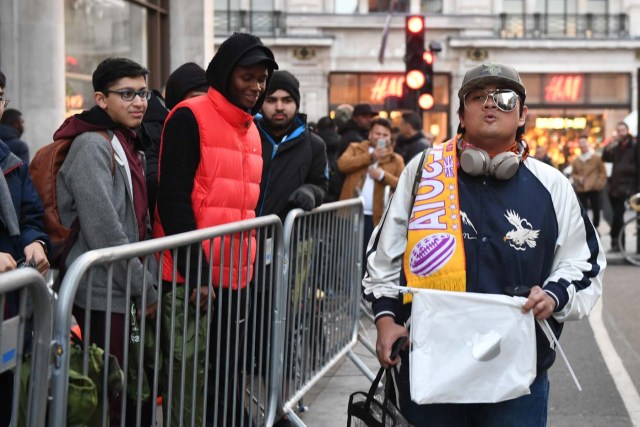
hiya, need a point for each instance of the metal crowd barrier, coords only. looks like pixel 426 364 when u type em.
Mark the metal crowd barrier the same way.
pixel 324 251
pixel 23 293
pixel 218 366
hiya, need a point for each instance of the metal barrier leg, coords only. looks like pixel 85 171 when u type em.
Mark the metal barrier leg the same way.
pixel 366 343
pixel 293 419
pixel 360 365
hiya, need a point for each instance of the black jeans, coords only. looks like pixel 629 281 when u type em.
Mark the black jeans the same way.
pixel 225 393
pixel 617 204
pixel 591 199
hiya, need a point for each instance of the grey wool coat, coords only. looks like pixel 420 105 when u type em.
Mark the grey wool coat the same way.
pixel 103 203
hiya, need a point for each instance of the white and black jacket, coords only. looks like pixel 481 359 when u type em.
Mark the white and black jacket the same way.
pixel 565 257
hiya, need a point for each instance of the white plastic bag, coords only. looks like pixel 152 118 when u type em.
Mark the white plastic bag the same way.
pixel 470 348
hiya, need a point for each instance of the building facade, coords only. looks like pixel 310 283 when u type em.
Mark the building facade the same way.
pixel 49 49
pixel 579 58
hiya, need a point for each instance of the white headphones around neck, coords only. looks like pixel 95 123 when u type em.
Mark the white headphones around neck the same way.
pixel 475 161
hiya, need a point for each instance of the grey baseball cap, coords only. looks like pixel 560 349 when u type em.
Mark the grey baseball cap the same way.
pixel 491 72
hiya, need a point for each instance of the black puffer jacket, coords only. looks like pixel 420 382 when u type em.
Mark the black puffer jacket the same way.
pixel 301 159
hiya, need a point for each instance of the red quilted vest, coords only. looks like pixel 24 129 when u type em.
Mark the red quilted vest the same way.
pixel 226 186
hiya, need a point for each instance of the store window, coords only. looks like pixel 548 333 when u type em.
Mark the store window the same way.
pixel 346 6
pixel 95 30
pixel 432 6
pixel 564 106
pixel 598 7
pixel 388 5
pixel 556 6
pixel 513 6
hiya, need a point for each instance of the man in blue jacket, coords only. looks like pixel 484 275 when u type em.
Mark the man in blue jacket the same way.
pixel 509 220
pixel 23 240
pixel 294 172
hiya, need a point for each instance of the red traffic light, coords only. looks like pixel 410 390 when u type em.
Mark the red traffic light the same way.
pixel 426 101
pixel 415 79
pixel 415 24
pixel 427 57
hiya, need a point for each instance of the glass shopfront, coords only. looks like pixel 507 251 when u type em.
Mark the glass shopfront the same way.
pixel 564 106
pixel 98 29
pixel 381 89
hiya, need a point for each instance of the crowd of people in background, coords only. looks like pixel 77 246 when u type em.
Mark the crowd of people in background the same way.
pixel 228 114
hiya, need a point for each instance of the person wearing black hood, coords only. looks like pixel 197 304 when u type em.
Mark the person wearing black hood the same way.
pixel 187 81
pixel 206 138
pixel 101 184
pixel 327 130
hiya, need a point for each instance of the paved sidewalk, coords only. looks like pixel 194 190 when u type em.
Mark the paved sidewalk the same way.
pixel 327 401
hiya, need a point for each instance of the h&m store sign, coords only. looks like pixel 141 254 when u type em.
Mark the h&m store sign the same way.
pixel 564 88
pixel 610 89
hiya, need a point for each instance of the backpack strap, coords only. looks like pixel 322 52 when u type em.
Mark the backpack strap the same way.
pixel 416 180
pixel 108 135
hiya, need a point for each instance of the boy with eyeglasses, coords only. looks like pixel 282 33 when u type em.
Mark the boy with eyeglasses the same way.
pixel 516 224
pixel 101 184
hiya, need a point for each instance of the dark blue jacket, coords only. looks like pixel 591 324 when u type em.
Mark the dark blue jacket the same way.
pixel 299 158
pixel 26 203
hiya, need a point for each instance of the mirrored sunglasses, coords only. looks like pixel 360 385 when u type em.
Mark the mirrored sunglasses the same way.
pixel 505 99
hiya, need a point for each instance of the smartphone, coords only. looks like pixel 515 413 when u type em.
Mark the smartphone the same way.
pixel 381 143
pixel 23 263
pixel 397 346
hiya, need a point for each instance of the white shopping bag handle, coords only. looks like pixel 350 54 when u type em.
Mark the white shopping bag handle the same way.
pixel 545 327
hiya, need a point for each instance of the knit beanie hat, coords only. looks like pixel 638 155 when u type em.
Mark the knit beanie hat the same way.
pixel 286 81
pixel 186 78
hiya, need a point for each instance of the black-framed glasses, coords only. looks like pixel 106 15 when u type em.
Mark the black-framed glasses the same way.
pixel 4 101
pixel 505 99
pixel 130 95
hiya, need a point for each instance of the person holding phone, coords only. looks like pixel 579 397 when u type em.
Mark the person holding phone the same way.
pixel 369 166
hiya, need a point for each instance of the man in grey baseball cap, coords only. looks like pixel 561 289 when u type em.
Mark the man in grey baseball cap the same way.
pixel 490 72
pixel 496 206
pixel 504 78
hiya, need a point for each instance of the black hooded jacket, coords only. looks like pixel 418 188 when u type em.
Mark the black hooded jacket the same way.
pixel 151 132
pixel 336 178
pixel 299 158
pixel 180 147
